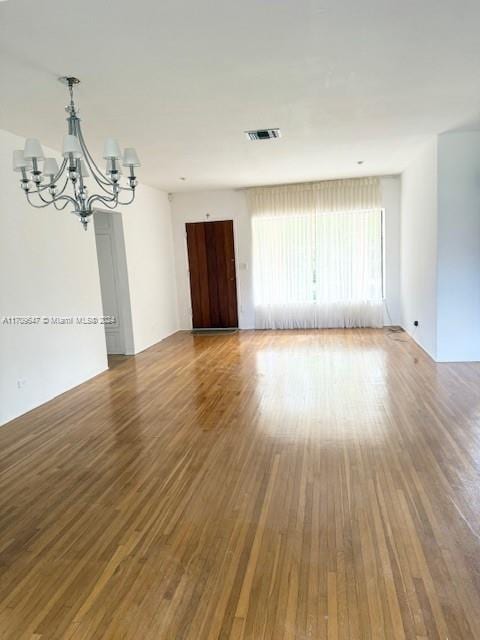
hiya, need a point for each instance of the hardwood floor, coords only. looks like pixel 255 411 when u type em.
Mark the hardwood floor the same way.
pixel 280 485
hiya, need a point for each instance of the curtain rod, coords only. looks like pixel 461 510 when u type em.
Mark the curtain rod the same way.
pixel 295 184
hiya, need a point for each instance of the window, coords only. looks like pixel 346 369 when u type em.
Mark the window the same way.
pixel 318 269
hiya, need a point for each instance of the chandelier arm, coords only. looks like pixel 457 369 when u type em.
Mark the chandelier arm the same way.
pixel 63 189
pixel 55 178
pixel 55 204
pixel 96 174
pixel 60 171
pixel 100 177
pixel 38 192
pixel 68 199
pixel 105 204
pixel 101 184
pixel 45 203
pixel 42 198
pixel 130 201
pixel 113 197
pixel 106 201
pixel 95 171
pixel 42 206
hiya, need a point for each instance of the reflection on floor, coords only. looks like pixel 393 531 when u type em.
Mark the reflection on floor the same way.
pixel 115 360
pixel 317 484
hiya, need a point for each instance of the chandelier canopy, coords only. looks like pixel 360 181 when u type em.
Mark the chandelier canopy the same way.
pixel 45 183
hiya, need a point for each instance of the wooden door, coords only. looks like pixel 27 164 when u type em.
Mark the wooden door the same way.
pixel 213 285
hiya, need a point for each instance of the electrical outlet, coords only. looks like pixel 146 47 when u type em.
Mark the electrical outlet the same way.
pixel 415 323
pixel 21 382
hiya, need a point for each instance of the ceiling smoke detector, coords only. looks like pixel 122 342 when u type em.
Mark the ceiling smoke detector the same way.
pixel 263 134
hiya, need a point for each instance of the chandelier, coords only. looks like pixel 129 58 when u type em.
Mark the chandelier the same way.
pixel 45 183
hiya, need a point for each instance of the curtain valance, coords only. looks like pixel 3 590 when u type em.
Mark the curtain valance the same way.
pixel 315 197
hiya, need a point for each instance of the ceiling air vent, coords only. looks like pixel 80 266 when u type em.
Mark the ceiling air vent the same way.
pixel 263 134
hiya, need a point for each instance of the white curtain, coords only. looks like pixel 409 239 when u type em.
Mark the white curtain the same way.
pixel 317 255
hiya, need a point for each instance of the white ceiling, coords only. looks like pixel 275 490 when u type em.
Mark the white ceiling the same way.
pixel 182 79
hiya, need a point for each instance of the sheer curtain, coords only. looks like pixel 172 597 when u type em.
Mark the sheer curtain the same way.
pixel 317 255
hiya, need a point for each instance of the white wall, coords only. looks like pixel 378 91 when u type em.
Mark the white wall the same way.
pixel 440 247
pixel 48 266
pixel 148 234
pixel 458 285
pixel 391 201
pixel 419 248
pixel 231 204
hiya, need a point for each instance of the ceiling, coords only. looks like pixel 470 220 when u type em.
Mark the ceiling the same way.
pixel 181 80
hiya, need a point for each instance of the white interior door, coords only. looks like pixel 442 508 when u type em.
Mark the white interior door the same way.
pixel 112 274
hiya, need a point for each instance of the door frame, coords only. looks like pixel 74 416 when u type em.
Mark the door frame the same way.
pixel 212 218
pixel 120 273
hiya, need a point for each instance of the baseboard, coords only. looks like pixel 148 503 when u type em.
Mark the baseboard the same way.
pixel 419 344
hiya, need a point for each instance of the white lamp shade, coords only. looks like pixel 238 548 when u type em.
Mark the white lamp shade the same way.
pixel 19 161
pixel 130 158
pixel 50 167
pixel 71 145
pixel 33 149
pixel 112 149
pixel 84 169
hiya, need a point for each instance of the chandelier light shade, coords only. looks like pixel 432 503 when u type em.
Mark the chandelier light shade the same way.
pixel 19 161
pixel 112 149
pixel 45 183
pixel 33 149
pixel 130 158
pixel 71 145
pixel 50 167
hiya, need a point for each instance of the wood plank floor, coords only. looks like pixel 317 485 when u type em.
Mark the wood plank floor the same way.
pixel 280 485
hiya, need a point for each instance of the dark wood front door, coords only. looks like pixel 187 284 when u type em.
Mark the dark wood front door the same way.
pixel 213 286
